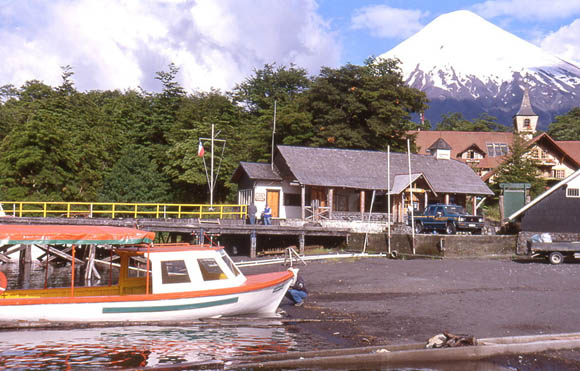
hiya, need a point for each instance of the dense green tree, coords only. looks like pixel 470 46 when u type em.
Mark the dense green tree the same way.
pixel 273 85
pixel 566 127
pixel 456 122
pixel 366 107
pixel 519 167
pixel 135 178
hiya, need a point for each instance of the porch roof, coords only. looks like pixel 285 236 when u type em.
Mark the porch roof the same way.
pixel 255 171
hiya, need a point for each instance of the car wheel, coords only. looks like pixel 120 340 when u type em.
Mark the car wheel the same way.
pixel 556 258
pixel 450 228
pixel 418 228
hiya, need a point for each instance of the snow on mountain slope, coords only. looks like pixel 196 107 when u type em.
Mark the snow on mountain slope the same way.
pixel 461 56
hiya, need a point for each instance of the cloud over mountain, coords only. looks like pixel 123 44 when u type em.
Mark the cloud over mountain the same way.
pixel 467 64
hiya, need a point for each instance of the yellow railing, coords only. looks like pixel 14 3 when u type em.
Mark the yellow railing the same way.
pixel 121 210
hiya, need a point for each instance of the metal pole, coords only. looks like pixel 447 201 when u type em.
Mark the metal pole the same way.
pixel 211 171
pixel 273 134
pixel 389 199
pixel 411 195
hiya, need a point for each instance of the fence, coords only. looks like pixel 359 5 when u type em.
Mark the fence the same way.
pixel 121 210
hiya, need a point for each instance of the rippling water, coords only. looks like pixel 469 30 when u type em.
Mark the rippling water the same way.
pixel 120 347
pixel 130 347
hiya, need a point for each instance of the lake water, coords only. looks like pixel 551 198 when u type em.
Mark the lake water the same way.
pixel 132 347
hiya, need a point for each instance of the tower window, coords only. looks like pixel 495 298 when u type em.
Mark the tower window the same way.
pixel 527 123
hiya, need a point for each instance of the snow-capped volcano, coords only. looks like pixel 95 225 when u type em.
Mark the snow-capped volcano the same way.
pixel 467 64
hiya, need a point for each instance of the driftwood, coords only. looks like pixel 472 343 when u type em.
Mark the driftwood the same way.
pixel 448 340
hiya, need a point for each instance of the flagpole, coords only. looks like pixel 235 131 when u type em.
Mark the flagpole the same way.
pixel 211 180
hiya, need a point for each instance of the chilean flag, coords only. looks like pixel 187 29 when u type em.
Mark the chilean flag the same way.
pixel 200 150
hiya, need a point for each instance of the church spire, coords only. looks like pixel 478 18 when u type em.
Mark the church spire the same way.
pixel 526 120
pixel 526 107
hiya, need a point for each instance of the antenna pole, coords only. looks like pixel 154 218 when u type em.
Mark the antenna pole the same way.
pixel 211 171
pixel 273 134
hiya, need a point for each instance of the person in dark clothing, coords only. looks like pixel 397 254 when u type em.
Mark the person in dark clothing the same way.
pixel 252 210
pixel 297 293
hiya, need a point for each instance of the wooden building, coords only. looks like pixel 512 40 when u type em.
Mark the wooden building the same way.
pixel 557 210
pixel 325 183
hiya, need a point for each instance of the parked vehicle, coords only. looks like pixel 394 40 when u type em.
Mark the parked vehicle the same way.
pixel 448 218
pixel 556 252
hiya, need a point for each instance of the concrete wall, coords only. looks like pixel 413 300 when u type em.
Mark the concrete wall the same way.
pixel 438 245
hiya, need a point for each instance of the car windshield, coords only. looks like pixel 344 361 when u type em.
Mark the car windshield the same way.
pixel 455 210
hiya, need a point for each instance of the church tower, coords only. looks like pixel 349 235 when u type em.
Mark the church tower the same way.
pixel 526 121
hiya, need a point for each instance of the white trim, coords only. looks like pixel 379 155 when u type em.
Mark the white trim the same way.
pixel 544 195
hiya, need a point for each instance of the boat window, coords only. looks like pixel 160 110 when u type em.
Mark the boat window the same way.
pixel 210 270
pixel 230 263
pixel 174 271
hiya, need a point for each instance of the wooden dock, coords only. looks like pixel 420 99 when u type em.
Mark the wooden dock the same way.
pixel 196 227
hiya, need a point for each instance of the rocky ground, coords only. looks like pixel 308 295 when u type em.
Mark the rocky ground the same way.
pixel 371 301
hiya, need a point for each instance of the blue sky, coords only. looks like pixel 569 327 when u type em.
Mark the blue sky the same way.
pixel 120 44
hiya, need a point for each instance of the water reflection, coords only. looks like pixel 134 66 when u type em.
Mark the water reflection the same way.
pixel 140 346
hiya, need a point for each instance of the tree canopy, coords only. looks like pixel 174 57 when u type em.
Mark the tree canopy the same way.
pixel 456 122
pixel 566 127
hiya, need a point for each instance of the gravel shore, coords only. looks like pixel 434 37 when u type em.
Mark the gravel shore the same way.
pixel 374 301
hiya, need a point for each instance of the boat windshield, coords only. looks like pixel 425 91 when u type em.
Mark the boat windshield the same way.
pixel 210 270
pixel 230 263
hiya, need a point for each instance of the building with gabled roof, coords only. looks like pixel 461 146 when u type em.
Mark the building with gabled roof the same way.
pixel 312 183
pixel 485 151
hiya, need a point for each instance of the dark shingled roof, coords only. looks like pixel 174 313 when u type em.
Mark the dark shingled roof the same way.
pixel 256 170
pixel 440 144
pixel 526 107
pixel 368 170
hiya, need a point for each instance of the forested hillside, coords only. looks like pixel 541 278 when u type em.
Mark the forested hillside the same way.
pixel 60 144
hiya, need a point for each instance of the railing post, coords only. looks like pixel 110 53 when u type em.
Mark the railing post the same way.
pixel 44 211
pixel 20 214
pixel 91 210
pixel 179 211
pixel 113 211
pixel 135 213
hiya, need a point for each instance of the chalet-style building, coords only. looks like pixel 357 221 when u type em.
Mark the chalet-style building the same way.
pixel 324 183
pixel 557 210
pixel 484 151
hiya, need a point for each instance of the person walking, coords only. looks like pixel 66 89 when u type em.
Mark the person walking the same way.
pixel 267 215
pixel 252 210
pixel 297 293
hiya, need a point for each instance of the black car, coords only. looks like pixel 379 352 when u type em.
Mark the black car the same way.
pixel 448 218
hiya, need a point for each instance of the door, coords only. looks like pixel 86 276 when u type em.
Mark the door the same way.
pixel 273 200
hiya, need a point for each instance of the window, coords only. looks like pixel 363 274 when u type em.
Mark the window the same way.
pixel 210 270
pixel 230 263
pixel 174 271
pixel 572 192
pixel 527 123
pixel 559 174
pixel 497 149
pixel 292 199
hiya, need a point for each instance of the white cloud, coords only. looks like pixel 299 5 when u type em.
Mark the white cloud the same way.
pixel 564 43
pixel 386 22
pixel 122 43
pixel 528 9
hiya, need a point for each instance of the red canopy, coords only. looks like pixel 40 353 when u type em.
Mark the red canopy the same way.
pixel 72 234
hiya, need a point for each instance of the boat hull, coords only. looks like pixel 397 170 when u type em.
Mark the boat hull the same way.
pixel 250 299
